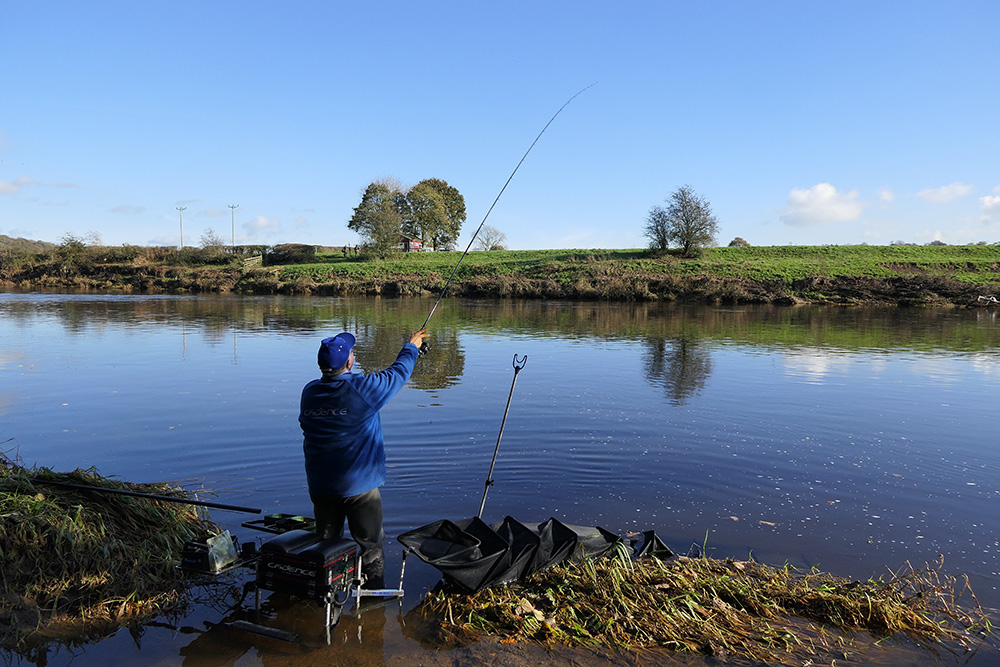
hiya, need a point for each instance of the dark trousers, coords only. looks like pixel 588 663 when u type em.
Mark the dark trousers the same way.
pixel 364 518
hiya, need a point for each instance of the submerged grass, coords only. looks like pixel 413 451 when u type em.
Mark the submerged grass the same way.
pixel 77 563
pixel 740 609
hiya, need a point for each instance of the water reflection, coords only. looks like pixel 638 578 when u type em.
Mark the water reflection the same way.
pixel 817 365
pixel 357 640
pixel 441 366
pixel 678 340
pixel 216 317
pixel 680 366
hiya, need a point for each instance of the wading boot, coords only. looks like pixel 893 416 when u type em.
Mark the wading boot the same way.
pixel 374 573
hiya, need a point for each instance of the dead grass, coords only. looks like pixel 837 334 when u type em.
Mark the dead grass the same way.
pixel 723 608
pixel 76 563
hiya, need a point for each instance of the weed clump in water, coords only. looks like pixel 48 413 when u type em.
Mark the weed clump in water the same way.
pixel 724 608
pixel 81 563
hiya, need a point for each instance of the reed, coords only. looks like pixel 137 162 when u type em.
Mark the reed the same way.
pixel 723 608
pixel 79 563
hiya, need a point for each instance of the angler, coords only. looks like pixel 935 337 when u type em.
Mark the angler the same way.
pixel 344 450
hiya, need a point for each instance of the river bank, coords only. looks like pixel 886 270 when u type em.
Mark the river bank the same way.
pixel 839 275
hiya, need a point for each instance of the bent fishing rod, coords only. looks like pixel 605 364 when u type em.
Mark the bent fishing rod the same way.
pixel 509 179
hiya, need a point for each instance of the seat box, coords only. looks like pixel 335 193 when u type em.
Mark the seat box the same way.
pixel 300 564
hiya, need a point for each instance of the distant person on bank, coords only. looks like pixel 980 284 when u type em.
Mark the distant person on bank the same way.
pixel 344 450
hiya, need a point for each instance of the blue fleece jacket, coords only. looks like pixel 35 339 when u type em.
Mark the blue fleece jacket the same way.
pixel 344 451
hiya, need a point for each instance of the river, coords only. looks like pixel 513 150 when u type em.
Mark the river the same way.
pixel 856 440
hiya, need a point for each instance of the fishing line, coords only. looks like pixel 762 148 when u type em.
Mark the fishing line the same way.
pixel 509 178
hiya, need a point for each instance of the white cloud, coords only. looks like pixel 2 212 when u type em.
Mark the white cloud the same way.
pixel 301 222
pixel 886 194
pixel 945 193
pixel 260 223
pixel 821 204
pixel 165 240
pixel 211 213
pixel 928 235
pixel 990 207
pixel 815 365
pixel 14 187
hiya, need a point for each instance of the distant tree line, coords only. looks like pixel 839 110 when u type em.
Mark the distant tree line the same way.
pixel 12 244
pixel 937 242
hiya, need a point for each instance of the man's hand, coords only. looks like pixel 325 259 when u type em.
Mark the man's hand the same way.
pixel 418 337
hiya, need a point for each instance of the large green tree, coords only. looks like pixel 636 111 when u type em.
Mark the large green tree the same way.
pixel 431 211
pixel 378 219
pixel 687 222
pixel 434 213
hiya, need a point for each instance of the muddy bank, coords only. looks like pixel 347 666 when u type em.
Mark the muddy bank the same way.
pixel 901 290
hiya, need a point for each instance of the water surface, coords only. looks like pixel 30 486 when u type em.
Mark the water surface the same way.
pixel 852 439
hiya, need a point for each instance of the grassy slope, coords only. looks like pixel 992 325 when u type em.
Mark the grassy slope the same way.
pixel 913 275
pixel 777 274
pixel 972 264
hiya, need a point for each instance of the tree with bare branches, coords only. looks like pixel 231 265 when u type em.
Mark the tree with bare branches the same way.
pixel 209 239
pixel 687 222
pixel 491 238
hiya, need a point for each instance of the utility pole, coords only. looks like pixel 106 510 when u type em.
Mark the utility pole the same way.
pixel 234 207
pixel 182 209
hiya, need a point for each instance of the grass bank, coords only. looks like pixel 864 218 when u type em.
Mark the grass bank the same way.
pixel 901 275
pixel 728 609
pixel 77 564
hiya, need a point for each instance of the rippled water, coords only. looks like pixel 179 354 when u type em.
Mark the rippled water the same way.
pixel 851 439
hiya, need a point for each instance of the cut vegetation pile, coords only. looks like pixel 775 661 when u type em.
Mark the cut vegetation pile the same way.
pixel 78 563
pixel 724 608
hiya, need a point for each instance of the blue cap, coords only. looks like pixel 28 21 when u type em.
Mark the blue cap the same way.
pixel 334 352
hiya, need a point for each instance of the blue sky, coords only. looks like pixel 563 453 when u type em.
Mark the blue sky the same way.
pixel 801 123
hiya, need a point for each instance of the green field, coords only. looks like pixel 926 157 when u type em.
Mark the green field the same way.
pixel 971 264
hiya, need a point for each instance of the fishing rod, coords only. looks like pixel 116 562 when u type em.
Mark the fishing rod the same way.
pixel 518 365
pixel 509 178
pixel 150 496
